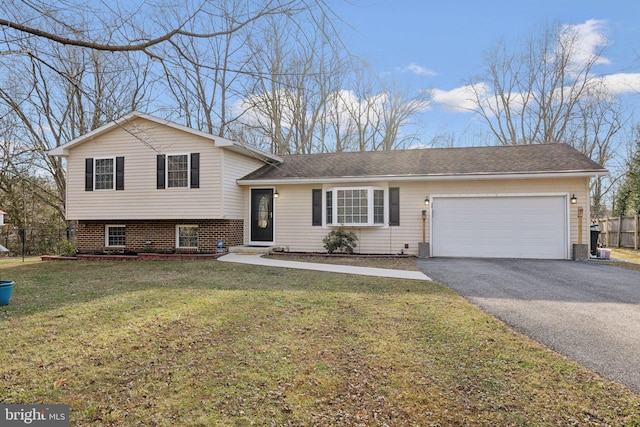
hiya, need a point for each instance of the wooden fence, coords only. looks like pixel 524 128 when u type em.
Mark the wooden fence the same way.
pixel 620 232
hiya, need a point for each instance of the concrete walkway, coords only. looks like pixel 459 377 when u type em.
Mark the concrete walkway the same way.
pixel 332 268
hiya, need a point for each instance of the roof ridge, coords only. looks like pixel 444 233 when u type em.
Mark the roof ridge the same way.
pixel 401 150
pixel 553 158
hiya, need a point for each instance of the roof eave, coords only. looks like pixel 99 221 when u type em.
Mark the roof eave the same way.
pixel 63 150
pixel 431 177
pixel 247 150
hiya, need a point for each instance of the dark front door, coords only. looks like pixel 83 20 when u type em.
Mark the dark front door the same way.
pixel 262 215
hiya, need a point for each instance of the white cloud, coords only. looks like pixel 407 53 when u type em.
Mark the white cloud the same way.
pixel 589 38
pixel 418 70
pixel 460 99
pixel 464 99
pixel 419 146
pixel 621 83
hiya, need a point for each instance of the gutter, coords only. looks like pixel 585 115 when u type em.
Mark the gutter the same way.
pixel 425 178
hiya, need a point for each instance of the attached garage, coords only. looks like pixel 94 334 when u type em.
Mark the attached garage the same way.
pixel 498 202
pixel 504 226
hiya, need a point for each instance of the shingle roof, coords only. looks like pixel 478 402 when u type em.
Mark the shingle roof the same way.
pixel 495 160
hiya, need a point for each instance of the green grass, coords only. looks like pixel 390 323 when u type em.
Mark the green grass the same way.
pixel 205 343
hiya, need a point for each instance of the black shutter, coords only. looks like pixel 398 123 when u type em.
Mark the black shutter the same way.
pixel 394 206
pixel 160 172
pixel 316 201
pixel 195 170
pixel 119 173
pixel 88 174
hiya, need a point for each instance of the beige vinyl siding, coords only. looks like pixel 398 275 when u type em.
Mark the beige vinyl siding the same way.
pixel 235 166
pixel 139 144
pixel 292 219
pixel 293 229
pixel 569 186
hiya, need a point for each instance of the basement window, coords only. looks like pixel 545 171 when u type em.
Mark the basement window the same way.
pixel 187 236
pixel 115 236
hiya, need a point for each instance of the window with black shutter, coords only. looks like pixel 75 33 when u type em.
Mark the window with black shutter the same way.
pixel 160 171
pixel 88 174
pixel 394 206
pixel 119 173
pixel 104 174
pixel 316 196
pixel 195 170
pixel 178 171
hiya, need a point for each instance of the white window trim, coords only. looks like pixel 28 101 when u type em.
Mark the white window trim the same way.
pixel 166 169
pixel 106 235
pixel 113 179
pixel 370 211
pixel 178 236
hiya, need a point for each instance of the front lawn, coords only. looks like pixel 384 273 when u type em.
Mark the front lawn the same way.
pixel 206 343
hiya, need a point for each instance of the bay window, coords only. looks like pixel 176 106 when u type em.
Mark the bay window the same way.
pixel 356 206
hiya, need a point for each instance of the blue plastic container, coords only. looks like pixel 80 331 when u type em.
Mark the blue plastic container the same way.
pixel 6 286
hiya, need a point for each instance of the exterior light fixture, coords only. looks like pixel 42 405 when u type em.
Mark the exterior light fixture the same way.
pixel 573 199
pixel 426 201
pixel 275 194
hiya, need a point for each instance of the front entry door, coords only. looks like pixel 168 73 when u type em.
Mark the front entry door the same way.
pixel 262 216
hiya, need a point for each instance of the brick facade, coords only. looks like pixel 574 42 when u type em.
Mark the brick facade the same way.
pixel 160 235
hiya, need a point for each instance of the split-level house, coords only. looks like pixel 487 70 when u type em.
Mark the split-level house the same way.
pixel 145 184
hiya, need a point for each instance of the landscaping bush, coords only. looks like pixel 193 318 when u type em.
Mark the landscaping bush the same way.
pixel 68 248
pixel 340 240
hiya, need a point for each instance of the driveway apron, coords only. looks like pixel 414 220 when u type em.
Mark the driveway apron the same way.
pixel 588 311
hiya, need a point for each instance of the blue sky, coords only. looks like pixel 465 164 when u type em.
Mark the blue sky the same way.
pixel 440 44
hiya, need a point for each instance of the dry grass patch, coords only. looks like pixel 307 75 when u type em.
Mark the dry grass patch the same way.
pixel 9 262
pixel 625 258
pixel 626 255
pixel 206 343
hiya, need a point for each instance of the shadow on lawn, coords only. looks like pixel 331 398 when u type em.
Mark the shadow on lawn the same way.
pixel 48 286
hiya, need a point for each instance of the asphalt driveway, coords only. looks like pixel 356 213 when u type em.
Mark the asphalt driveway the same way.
pixel 588 311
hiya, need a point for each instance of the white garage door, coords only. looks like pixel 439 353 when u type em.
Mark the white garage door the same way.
pixel 500 227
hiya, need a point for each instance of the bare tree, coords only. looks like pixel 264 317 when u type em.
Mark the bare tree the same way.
pixel 77 65
pixel 599 120
pixel 546 92
pixel 398 109
pixel 530 95
pixel 54 101
pixel 294 72
pixel 375 114
pixel 138 26
pixel 355 115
